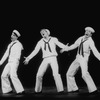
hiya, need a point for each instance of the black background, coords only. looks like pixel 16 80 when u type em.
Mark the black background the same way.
pixel 65 20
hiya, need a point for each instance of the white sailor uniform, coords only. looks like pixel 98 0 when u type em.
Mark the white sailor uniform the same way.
pixel 49 58
pixel 82 61
pixel 13 53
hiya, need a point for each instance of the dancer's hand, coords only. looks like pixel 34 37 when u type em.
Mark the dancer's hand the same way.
pixel 26 61
pixel 64 49
pixel 0 63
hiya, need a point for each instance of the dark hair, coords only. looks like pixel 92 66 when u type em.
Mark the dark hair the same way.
pixel 15 34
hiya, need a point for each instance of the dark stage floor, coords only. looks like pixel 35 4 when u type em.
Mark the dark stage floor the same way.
pixel 51 93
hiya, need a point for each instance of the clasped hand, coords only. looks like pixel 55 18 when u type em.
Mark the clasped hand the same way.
pixel 65 49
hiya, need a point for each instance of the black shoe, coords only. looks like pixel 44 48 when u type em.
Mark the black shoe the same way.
pixel 38 92
pixel 61 92
pixel 21 93
pixel 76 91
pixel 9 92
pixel 94 92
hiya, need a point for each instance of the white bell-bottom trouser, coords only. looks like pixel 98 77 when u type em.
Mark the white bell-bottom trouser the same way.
pixel 11 70
pixel 42 69
pixel 82 62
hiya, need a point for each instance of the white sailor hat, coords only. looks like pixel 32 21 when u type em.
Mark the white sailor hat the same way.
pixel 17 33
pixel 90 29
pixel 45 30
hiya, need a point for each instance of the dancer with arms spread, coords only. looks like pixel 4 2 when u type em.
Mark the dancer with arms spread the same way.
pixel 85 45
pixel 13 54
pixel 48 46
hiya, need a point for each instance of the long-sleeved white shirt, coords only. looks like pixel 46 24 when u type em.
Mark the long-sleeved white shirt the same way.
pixel 87 46
pixel 14 53
pixel 46 53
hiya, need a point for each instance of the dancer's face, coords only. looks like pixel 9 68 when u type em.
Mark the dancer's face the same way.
pixel 13 37
pixel 88 34
pixel 44 34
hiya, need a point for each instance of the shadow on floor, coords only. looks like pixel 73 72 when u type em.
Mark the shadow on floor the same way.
pixel 51 93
